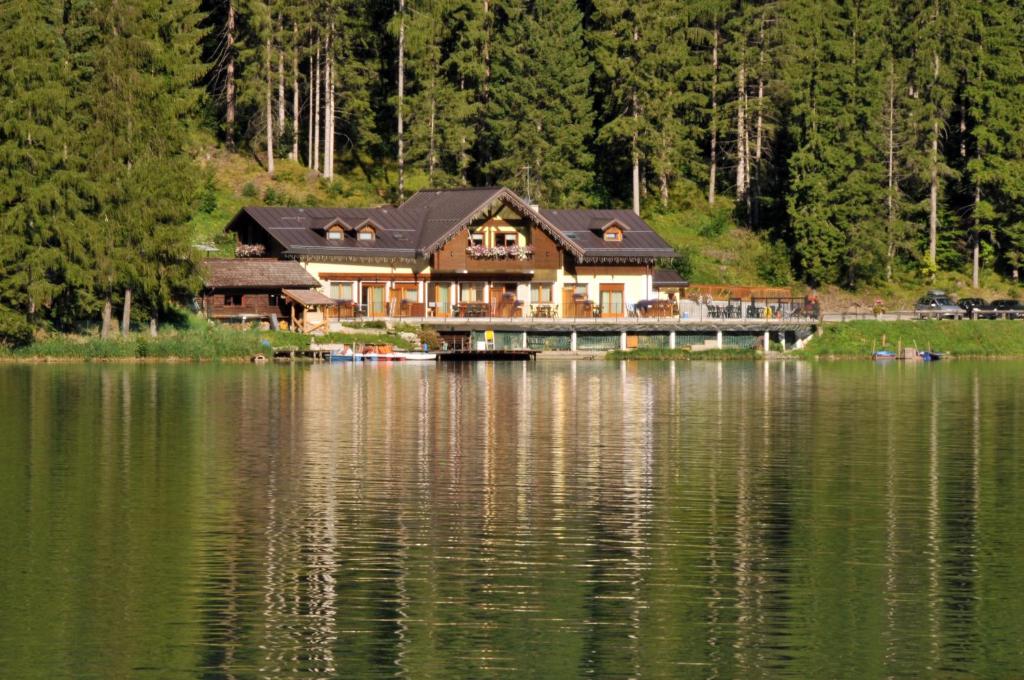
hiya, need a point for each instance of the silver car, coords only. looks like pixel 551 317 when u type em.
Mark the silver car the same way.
pixel 937 305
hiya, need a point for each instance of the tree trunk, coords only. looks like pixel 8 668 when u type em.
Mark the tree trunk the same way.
pixel 741 133
pixel 270 111
pixel 126 312
pixel 105 324
pixel 316 112
pixel 890 199
pixel 975 269
pixel 663 188
pixel 933 196
pixel 713 172
pixel 280 93
pixel 229 86
pixel 755 175
pixel 295 94
pixel 328 109
pixel 432 159
pixel 401 99
pixel 310 153
pixel 152 327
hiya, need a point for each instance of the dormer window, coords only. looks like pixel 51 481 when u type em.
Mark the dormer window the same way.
pixel 613 233
pixel 334 234
pixel 367 234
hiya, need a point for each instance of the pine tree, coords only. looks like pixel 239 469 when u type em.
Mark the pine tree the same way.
pixel 138 98
pixel 540 107
pixel 993 92
pixel 42 254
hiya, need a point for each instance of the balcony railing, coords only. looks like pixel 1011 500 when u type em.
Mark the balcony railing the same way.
pixel 500 252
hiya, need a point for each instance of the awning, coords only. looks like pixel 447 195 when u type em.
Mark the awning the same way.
pixel 308 298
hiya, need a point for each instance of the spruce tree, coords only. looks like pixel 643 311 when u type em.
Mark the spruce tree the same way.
pixel 540 107
pixel 45 271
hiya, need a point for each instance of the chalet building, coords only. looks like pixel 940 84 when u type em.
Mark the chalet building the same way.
pixel 464 252
pixel 247 289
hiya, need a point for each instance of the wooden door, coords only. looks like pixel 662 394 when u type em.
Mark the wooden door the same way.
pixel 373 298
pixel 613 300
pixel 441 296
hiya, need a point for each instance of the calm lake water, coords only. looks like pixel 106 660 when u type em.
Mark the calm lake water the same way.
pixel 549 520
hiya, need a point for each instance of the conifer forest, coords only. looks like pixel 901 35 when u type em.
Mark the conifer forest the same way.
pixel 867 137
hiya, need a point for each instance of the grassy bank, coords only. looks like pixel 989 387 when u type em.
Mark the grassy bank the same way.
pixel 654 354
pixel 958 338
pixel 194 344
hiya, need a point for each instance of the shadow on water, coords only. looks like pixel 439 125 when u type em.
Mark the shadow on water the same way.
pixel 550 519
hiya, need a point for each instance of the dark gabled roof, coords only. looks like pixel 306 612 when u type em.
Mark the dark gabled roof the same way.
pixel 447 211
pixel 253 272
pixel 584 227
pixel 430 218
pixel 668 278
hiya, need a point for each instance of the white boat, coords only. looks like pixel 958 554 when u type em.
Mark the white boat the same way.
pixel 417 356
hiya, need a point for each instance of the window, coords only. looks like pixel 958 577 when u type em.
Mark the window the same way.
pixel 343 290
pixel 471 292
pixel 540 293
pixel 273 299
pixel 334 235
pixel 613 233
pixel 406 292
pixel 507 240
pixel 367 234
pixel 232 300
pixel 476 239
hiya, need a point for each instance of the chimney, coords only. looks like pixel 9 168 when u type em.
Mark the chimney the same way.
pixel 535 207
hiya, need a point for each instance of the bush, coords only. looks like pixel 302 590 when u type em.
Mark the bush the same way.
pixel 773 265
pixel 249 190
pixel 15 331
pixel 715 224
pixel 207 202
pixel 683 262
pixel 277 197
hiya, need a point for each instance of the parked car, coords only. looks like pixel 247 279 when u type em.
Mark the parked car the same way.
pixel 1011 309
pixel 975 307
pixel 937 305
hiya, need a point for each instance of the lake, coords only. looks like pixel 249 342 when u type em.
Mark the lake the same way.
pixel 550 519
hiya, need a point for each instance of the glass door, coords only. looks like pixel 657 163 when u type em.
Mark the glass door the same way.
pixel 612 299
pixel 442 299
pixel 373 298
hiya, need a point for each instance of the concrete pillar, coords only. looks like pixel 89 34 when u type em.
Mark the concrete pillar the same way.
pixel 672 340
pixel 622 340
pixel 766 341
pixel 718 339
pixel 782 339
pixel 572 341
pixel 524 340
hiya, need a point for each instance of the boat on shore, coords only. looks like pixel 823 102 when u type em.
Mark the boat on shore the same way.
pixel 381 353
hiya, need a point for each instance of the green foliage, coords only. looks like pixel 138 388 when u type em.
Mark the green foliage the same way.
pixel 249 190
pixel 681 354
pixel 959 338
pixel 773 266
pixel 207 200
pixel 15 331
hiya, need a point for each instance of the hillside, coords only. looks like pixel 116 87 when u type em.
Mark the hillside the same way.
pixel 714 248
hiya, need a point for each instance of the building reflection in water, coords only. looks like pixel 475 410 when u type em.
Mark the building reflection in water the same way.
pixel 573 518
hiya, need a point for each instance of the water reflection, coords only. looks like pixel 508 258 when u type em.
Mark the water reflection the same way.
pixel 550 519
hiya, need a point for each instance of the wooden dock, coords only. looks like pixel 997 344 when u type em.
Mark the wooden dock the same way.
pixel 487 354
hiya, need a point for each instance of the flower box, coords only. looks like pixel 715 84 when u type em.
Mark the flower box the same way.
pixel 500 252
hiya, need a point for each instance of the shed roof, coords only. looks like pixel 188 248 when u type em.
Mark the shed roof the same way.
pixel 308 298
pixel 668 278
pixel 256 272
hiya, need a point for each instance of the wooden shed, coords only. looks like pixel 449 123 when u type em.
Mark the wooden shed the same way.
pixel 252 289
